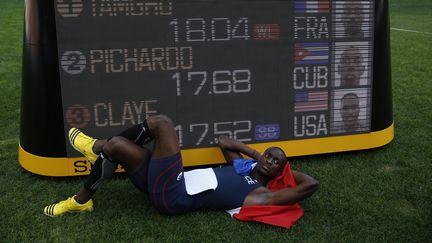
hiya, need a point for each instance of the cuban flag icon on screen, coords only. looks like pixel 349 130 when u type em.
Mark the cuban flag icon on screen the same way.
pixel 320 6
pixel 311 53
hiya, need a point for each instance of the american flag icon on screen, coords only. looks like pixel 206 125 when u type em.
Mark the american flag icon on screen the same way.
pixel 311 101
pixel 320 6
pixel 311 53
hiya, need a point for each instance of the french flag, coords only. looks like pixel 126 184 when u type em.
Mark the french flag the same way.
pixel 316 6
pixel 278 215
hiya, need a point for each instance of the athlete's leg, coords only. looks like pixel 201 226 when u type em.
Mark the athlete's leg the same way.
pixel 126 147
pixel 91 147
pixel 166 183
pixel 133 157
pixel 102 152
pixel 117 149
pixel 165 138
pixel 100 171
pixel 103 168
pixel 98 145
pixel 127 153
pixel 139 134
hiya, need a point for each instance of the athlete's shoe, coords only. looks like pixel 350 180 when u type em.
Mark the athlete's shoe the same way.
pixel 83 144
pixel 68 205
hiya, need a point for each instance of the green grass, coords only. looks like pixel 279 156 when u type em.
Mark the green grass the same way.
pixel 412 15
pixel 376 195
pixel 11 32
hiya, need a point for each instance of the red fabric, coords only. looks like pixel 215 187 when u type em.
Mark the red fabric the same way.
pixel 283 216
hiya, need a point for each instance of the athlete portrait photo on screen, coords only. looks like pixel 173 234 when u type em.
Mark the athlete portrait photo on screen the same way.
pixel 352 64
pixel 352 19
pixel 350 111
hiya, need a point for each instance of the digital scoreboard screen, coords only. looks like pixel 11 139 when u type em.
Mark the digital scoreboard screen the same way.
pixel 257 70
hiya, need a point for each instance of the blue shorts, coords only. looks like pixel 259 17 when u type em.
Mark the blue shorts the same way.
pixel 165 185
pixel 139 178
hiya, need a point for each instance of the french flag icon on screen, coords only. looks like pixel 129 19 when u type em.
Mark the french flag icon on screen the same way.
pixel 312 6
pixel 311 53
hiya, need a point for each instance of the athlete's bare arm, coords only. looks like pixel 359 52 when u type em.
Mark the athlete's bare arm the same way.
pixel 306 186
pixel 233 149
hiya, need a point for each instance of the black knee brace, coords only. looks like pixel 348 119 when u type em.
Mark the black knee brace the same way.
pixel 102 169
pixel 139 134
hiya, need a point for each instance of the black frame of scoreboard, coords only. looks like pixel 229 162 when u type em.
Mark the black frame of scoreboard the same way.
pixel 43 147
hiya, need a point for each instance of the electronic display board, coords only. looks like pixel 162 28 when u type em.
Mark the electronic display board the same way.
pixel 263 72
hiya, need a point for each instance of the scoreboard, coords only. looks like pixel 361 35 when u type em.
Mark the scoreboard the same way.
pixel 299 74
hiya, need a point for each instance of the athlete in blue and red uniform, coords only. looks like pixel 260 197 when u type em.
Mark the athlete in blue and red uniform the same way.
pixel 160 172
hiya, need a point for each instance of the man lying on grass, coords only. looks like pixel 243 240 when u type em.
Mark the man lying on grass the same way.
pixel 160 172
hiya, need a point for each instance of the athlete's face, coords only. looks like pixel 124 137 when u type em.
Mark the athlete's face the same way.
pixel 351 67
pixel 353 22
pixel 271 163
pixel 350 109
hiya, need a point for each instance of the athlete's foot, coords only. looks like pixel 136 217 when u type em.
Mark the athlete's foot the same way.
pixel 83 144
pixel 67 206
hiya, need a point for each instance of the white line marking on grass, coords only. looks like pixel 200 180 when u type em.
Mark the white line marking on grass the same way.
pixel 412 31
